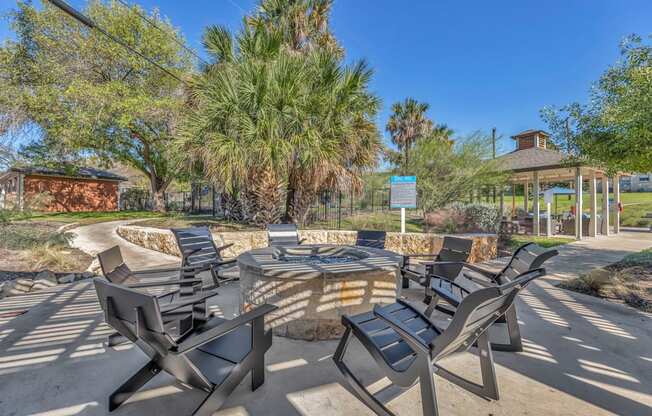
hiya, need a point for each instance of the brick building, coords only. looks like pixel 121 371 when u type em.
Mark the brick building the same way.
pixel 60 190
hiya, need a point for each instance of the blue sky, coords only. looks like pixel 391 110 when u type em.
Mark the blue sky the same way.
pixel 480 64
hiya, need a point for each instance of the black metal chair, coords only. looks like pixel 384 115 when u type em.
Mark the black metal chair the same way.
pixel 445 263
pixel 283 235
pixel 408 347
pixel 176 283
pixel 371 238
pixel 526 258
pixel 198 251
pixel 213 357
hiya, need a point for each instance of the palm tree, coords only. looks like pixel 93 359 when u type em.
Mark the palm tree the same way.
pixel 407 124
pixel 273 124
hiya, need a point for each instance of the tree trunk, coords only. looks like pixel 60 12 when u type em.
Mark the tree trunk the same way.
pixel 158 187
pixel 405 168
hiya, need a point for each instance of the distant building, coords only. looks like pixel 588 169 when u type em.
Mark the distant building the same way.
pixel 81 189
pixel 639 182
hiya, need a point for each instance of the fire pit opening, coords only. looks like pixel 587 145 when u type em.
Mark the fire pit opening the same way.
pixel 320 255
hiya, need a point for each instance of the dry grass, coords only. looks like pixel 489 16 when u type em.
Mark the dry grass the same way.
pixel 631 285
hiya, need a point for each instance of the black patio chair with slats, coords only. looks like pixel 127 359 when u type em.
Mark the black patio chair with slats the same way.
pixel 448 294
pixel 371 238
pixel 199 251
pixel 446 263
pixel 213 357
pixel 283 235
pixel 408 346
pixel 170 283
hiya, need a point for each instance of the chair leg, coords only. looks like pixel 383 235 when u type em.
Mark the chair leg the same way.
pixel 131 386
pixel 213 401
pixel 406 283
pixel 261 343
pixel 431 306
pixel 487 369
pixel 358 388
pixel 427 383
pixel 116 339
pixel 489 387
pixel 514 332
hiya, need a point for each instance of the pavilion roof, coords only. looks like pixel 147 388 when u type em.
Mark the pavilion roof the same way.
pixel 531 159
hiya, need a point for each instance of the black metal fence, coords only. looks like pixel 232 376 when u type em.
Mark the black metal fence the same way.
pixel 329 209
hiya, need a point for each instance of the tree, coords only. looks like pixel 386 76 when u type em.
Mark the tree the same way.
pixel 277 125
pixel 615 129
pixel 90 94
pixel 448 173
pixel 407 124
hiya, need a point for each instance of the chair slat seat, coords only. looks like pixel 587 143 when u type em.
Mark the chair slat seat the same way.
pixel 371 238
pixel 213 357
pixel 409 346
pixel 198 250
pixel 283 235
pixel 526 258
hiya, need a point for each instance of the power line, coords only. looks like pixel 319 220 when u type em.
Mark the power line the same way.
pixel 86 21
pixel 148 20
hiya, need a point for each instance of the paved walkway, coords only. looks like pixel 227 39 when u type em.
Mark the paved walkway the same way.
pixel 583 356
pixel 95 238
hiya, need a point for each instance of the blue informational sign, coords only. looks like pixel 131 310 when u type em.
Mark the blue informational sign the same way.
pixel 403 191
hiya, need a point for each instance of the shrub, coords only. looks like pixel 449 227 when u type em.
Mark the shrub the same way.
pixel 464 218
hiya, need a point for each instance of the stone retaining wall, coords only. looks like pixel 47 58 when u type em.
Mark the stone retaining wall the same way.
pixel 484 245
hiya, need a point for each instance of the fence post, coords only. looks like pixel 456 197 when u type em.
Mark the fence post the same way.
pixel 213 198
pixel 339 210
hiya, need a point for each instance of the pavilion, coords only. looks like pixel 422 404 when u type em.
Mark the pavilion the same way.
pixel 533 163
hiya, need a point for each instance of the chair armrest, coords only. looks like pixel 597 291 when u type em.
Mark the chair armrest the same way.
pixel 473 267
pixel 187 301
pixel 448 295
pixel 166 283
pixel 223 328
pixel 224 247
pixel 479 282
pixel 403 330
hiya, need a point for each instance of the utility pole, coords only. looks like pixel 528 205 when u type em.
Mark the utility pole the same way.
pixel 493 155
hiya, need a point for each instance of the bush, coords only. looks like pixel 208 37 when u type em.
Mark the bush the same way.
pixel 465 218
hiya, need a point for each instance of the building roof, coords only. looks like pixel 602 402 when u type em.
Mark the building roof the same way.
pixel 531 132
pixel 81 172
pixel 534 158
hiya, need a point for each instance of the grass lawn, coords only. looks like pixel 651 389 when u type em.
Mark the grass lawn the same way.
pixel 85 218
pixel 180 221
pixel 518 240
pixel 635 204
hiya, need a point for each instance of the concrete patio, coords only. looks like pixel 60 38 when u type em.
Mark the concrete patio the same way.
pixel 583 356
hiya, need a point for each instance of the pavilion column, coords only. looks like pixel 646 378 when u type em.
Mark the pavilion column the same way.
pixel 593 222
pixel 535 204
pixel 525 197
pixel 513 200
pixel 578 203
pixel 605 205
pixel 616 204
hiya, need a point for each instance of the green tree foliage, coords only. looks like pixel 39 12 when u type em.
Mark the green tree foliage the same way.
pixel 615 128
pixel 407 124
pixel 448 173
pixel 88 93
pixel 277 116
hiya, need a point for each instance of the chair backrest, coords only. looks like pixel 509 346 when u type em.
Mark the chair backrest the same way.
pixel 477 312
pixel 128 306
pixel 113 266
pixel 529 256
pixel 283 235
pixel 196 238
pixel 371 238
pixel 454 249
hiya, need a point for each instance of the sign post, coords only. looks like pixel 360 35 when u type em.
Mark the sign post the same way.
pixel 403 194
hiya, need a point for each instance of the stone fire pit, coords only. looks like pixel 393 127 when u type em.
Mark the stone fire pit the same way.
pixel 314 285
